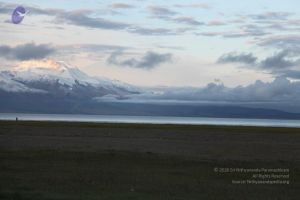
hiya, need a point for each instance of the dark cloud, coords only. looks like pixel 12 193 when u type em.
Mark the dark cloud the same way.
pixel 279 60
pixel 281 63
pixel 233 57
pixel 287 58
pixel 148 61
pixel 26 51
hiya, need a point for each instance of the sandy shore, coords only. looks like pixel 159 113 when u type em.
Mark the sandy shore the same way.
pixel 131 160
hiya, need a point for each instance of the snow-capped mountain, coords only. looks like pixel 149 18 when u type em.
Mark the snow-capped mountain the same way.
pixel 59 78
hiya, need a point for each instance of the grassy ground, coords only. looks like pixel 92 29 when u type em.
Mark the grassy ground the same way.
pixel 64 161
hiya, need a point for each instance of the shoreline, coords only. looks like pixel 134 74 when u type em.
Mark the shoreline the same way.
pixel 155 120
pixel 144 124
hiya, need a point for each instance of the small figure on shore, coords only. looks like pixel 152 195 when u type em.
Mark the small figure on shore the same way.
pixel 17 119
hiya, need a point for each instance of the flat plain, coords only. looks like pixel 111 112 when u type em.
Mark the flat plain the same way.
pixel 61 160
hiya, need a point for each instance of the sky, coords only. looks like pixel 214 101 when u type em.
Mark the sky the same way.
pixel 159 43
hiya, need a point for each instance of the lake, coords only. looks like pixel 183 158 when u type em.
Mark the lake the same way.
pixel 151 119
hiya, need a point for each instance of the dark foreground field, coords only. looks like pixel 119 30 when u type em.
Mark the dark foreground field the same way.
pixel 49 160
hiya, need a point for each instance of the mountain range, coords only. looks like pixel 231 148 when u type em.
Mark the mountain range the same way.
pixel 49 86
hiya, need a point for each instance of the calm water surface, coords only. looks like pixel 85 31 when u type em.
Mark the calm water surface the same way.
pixel 151 119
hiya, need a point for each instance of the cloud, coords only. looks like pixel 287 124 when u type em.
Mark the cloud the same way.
pixel 216 23
pixel 255 26
pixel 153 31
pixel 7 8
pixel 81 19
pixel 241 33
pixel 188 20
pixel 279 60
pixel 93 48
pixel 149 60
pixel 280 91
pixel 282 63
pixel 161 12
pixel 233 57
pixel 271 16
pixel 26 51
pixel 169 15
pixel 121 6
pixel 195 5
pixel 75 17
pixel 294 74
pixel 290 41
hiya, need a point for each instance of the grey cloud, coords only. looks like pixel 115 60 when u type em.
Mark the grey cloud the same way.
pixel 254 30
pixel 209 34
pixel 216 23
pixel 121 6
pixel 95 50
pixel 196 5
pixel 169 15
pixel 152 31
pixel 280 90
pixel 279 61
pixel 279 64
pixel 257 25
pixel 233 57
pixel 81 19
pixel 243 32
pixel 294 74
pixel 149 60
pixel 282 42
pixel 97 47
pixel 161 12
pixel 26 51
pixel 188 20
pixel 7 8
pixel 271 16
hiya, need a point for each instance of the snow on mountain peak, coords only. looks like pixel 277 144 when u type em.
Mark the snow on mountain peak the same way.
pixel 50 65
pixel 51 70
pixel 29 73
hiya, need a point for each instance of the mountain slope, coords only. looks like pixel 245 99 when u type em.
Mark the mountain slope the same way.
pixel 59 79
